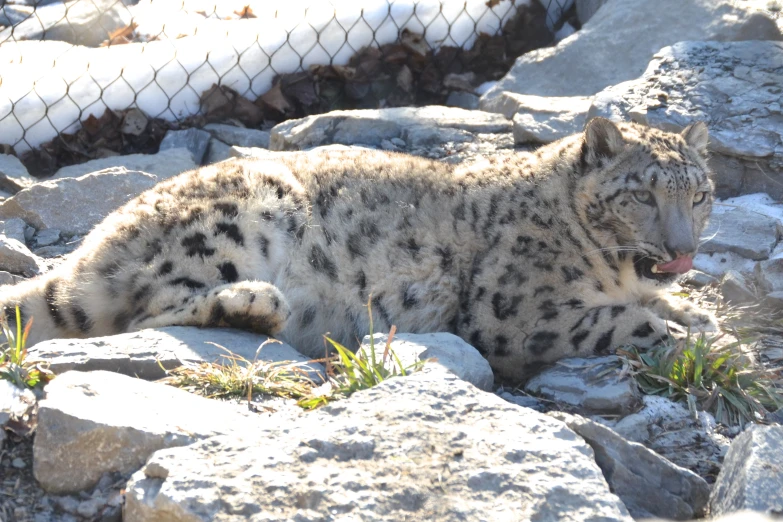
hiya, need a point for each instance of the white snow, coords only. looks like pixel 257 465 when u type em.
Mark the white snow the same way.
pixel 48 87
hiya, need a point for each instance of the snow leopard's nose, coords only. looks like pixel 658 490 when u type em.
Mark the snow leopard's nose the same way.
pixel 678 235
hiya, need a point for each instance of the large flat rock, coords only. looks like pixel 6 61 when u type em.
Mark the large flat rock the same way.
pixel 164 164
pixel 98 422
pixel 76 205
pixel 733 86
pixel 147 354
pixel 425 447
pixel 419 126
pixel 620 38
pixel 743 231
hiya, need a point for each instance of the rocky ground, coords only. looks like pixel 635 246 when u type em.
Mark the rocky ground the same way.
pixel 581 441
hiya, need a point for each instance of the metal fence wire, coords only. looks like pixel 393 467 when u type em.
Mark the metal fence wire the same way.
pixel 69 67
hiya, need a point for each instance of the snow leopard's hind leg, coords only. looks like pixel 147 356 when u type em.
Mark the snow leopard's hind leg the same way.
pixel 248 305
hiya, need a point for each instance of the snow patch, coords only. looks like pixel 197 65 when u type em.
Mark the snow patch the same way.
pixel 48 87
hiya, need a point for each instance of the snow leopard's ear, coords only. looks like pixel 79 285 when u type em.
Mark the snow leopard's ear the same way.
pixel 697 136
pixel 602 140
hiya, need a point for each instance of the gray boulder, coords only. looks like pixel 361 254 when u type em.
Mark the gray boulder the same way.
pixel 76 205
pixel 425 447
pixel 620 39
pixel 752 474
pixel 164 164
pixel 417 126
pixel 7 278
pixel 80 22
pixel 194 140
pixel 769 273
pixel 147 354
pixel 13 175
pixel 648 484
pixel 740 230
pixel 14 228
pixel 99 422
pixel 216 151
pixel 15 257
pixel 590 386
pixel 735 289
pixel 239 136
pixel 446 350
pixel 733 87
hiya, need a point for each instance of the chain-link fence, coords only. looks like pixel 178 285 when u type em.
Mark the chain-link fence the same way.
pixel 71 66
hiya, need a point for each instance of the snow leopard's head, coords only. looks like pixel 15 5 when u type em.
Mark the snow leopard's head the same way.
pixel 646 193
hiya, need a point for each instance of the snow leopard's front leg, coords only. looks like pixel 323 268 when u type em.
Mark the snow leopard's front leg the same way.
pixel 682 312
pixel 247 305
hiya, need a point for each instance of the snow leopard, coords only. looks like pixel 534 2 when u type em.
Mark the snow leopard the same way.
pixel 530 257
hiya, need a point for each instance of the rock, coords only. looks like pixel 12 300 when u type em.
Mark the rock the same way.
pixel 216 151
pixel 648 484
pixel 769 273
pixel 99 422
pixel 711 81
pixel 148 353
pixel 522 400
pixel 718 264
pixel 371 127
pixel 540 119
pixel 134 122
pixel 463 100
pixel 239 136
pixel 13 175
pixel 752 474
pixel 16 257
pixel 163 164
pixel 81 22
pixel 46 237
pixel 585 9
pixel 448 351
pixel 699 279
pixel 742 231
pixel 75 205
pixel 773 299
pixel 683 438
pixel 14 228
pixel 590 386
pixel 7 278
pixel 734 288
pixel 619 40
pixel 194 140
pixel 633 428
pixel 425 447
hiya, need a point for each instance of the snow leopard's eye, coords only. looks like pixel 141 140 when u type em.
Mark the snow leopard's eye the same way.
pixel 699 197
pixel 643 196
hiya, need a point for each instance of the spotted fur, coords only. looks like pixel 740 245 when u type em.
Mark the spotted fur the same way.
pixel 530 257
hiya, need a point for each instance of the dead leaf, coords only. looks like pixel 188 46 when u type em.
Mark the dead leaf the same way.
pixel 274 98
pixel 245 12
pixel 122 35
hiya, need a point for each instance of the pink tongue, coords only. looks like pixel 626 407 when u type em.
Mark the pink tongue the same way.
pixel 678 266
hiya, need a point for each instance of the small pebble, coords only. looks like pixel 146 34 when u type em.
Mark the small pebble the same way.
pixel 18 463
